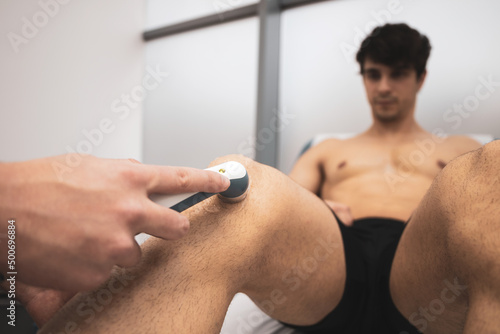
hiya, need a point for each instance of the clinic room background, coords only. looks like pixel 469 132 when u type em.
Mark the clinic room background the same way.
pixel 81 78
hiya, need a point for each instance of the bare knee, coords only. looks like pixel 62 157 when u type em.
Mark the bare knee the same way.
pixel 489 159
pixel 493 146
pixel 468 189
pixel 248 225
pixel 471 191
pixel 470 178
pixel 226 239
pixel 481 177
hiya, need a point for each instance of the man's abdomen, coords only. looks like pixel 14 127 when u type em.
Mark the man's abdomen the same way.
pixel 373 195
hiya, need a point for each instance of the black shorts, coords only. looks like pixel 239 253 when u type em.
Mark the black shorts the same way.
pixel 366 305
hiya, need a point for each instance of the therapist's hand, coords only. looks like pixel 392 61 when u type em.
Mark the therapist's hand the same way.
pixel 71 228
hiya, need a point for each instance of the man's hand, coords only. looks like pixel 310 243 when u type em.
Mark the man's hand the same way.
pixel 342 211
pixel 71 231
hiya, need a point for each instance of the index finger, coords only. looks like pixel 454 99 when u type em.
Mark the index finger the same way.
pixel 176 180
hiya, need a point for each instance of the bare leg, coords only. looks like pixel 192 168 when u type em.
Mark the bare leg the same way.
pixel 281 246
pixel 445 275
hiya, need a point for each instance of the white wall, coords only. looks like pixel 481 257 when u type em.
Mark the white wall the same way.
pixel 64 79
pixel 321 87
pixel 207 106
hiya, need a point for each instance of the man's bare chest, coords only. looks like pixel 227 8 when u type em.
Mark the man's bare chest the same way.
pixel 404 160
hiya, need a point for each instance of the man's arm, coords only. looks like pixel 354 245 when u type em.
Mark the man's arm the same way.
pixel 309 173
pixel 308 170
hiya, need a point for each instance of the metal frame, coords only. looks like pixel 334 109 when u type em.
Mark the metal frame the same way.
pixel 267 136
pixel 269 12
pixel 202 22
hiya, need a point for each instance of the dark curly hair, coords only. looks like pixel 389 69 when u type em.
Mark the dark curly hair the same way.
pixel 395 45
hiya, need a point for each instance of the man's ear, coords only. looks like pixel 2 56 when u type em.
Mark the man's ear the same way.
pixel 421 80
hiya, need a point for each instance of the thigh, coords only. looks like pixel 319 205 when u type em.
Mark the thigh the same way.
pixel 425 285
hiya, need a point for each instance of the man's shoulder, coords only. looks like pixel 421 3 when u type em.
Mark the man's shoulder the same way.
pixel 461 144
pixel 328 143
pixel 335 144
pixel 334 148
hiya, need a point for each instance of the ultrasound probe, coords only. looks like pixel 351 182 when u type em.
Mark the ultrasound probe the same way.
pixel 236 192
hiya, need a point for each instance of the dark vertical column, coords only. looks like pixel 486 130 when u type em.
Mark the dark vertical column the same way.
pixel 267 124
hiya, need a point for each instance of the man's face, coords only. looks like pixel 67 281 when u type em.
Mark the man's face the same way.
pixel 391 91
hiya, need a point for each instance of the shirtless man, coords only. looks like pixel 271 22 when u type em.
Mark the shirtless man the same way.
pixel 395 160
pixel 283 247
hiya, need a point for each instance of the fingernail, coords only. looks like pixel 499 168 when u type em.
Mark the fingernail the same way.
pixel 225 181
